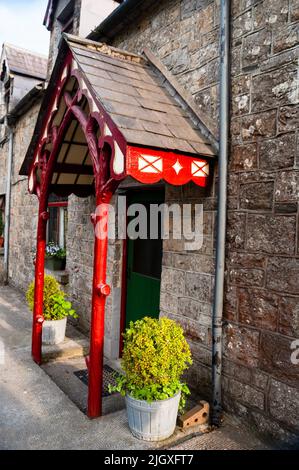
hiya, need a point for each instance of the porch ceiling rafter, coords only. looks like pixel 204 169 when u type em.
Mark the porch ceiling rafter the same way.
pixel 106 115
pixel 71 168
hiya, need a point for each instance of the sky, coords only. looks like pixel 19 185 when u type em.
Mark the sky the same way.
pixel 21 24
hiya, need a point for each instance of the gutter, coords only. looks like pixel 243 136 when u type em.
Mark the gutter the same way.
pixel 25 73
pixel 8 202
pixel 222 211
pixel 23 105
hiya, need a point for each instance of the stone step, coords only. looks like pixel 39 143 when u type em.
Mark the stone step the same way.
pixel 75 345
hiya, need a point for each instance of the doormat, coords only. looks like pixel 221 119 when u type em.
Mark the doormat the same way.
pixel 108 378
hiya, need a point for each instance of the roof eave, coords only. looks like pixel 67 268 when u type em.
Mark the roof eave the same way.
pixel 17 71
pixel 26 103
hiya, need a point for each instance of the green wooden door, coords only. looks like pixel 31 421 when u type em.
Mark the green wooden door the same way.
pixel 144 259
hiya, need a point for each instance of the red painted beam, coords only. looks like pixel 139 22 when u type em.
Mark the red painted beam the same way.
pixel 99 293
pixel 58 204
pixel 38 319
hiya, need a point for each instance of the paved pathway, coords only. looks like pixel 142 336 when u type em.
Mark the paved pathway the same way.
pixel 230 436
pixel 36 414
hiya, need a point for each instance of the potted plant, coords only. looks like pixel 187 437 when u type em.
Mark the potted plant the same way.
pixel 1 230
pixel 154 358
pixel 55 257
pixel 56 309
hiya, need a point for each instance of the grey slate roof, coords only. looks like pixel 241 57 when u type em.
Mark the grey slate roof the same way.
pixel 132 92
pixel 25 62
pixel 138 96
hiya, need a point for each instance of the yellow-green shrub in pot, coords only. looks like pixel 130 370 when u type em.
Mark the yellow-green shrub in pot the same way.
pixel 56 309
pixel 155 356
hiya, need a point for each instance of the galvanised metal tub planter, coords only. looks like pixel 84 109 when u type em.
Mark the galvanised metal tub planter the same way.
pixel 153 421
pixel 54 331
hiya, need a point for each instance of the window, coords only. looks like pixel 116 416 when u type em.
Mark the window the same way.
pixel 147 253
pixel 57 224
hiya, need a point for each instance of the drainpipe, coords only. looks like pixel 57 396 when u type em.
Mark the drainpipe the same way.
pixel 222 211
pixel 7 200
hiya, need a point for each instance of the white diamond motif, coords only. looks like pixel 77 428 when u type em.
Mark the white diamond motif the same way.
pixel 177 167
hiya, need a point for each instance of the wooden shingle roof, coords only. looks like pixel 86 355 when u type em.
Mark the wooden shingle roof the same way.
pixel 136 98
pixel 143 101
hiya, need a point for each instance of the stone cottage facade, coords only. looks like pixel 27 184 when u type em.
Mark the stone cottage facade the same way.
pixel 21 87
pixel 261 308
pixel 23 107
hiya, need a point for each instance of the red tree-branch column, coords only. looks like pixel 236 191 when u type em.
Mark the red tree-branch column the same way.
pixel 38 318
pixel 99 293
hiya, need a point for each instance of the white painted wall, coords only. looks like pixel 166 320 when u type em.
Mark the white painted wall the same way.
pixel 93 12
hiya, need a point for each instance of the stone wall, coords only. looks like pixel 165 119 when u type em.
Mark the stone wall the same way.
pixel 184 35
pixel 80 246
pixel 24 208
pixel 262 281
pixel 187 283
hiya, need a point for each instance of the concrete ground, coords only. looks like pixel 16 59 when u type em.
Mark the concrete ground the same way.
pixel 230 436
pixel 43 407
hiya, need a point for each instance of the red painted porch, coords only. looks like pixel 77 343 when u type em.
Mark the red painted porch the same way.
pixel 84 144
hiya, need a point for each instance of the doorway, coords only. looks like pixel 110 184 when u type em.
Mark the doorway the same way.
pixel 144 264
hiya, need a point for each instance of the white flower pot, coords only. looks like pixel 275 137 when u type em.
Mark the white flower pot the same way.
pixel 54 331
pixel 153 421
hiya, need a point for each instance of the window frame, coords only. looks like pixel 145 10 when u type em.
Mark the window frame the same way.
pixel 61 228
